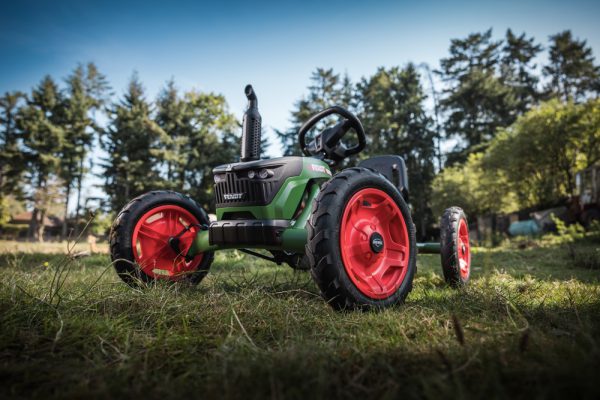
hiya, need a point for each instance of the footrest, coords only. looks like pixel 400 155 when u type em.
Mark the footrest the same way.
pixel 251 232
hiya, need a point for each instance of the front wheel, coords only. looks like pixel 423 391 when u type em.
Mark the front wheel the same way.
pixel 361 241
pixel 142 247
pixel 455 247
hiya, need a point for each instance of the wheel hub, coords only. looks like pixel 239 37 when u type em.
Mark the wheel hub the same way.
pixel 376 242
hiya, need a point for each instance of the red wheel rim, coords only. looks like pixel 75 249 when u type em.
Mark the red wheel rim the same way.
pixel 464 250
pixel 371 214
pixel 150 242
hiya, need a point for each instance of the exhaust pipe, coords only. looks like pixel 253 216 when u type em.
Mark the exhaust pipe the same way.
pixel 251 128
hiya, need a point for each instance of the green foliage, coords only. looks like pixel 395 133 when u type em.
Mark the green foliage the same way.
pixel 40 122
pixel 531 163
pixel 11 157
pixel 543 150
pixel 9 205
pixel 4 211
pixel 43 135
pixel 132 141
pixel 473 187
pixel 517 70
pixel 199 134
pixel 174 146
pixel 84 95
pixel 476 99
pixel 571 68
pixel 101 223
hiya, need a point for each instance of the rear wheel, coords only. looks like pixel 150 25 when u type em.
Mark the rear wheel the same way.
pixel 456 249
pixel 152 234
pixel 361 241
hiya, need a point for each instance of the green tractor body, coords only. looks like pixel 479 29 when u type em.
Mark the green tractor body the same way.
pixel 267 212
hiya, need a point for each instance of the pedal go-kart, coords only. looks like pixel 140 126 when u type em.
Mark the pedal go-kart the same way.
pixel 353 230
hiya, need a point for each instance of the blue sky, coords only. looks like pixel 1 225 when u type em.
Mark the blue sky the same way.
pixel 221 46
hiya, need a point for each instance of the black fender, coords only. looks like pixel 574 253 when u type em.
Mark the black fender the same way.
pixel 393 168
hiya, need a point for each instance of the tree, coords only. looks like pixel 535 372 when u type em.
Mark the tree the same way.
pixel 173 117
pixel 212 141
pixel 43 138
pixel 394 118
pixel 11 157
pixel 547 146
pixel 476 100
pixel 571 68
pixel 97 90
pixel 326 89
pixel 474 187
pixel 518 70
pixel 132 141
pixel 532 163
pixel 85 89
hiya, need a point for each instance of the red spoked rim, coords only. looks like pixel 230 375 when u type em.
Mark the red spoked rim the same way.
pixel 464 250
pixel 374 243
pixel 150 242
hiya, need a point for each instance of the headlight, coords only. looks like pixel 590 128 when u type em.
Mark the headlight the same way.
pixel 251 174
pixel 220 178
pixel 265 173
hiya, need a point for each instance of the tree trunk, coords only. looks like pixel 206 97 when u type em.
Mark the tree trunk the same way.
pixel 40 227
pixel 65 225
pixel 79 182
pixel 33 224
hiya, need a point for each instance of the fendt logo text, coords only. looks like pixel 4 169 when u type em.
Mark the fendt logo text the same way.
pixel 234 196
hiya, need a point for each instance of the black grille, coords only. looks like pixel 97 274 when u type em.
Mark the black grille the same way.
pixel 254 192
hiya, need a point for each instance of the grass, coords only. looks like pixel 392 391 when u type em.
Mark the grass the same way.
pixel 527 326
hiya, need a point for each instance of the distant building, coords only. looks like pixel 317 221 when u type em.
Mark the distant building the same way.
pixel 52 224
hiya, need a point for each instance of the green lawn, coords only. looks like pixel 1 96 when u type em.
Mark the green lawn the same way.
pixel 527 326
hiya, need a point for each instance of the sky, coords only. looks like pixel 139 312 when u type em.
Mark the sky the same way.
pixel 221 46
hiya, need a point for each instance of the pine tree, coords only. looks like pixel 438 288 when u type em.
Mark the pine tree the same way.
pixel 476 100
pixel 326 90
pixel 212 141
pixel 43 138
pixel 518 70
pixel 571 68
pixel 394 118
pixel 132 141
pixel 84 93
pixel 11 156
pixel 199 134
pixel 173 118
pixel 98 91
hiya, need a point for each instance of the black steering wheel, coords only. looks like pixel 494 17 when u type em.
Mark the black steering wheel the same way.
pixel 328 143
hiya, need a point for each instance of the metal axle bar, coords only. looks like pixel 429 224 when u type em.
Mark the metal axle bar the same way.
pixel 429 248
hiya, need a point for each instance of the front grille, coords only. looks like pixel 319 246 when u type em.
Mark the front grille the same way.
pixel 253 192
pixel 233 188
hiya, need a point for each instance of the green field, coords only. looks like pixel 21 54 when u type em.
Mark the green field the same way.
pixel 527 326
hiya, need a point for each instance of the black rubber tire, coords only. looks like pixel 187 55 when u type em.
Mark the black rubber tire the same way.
pixel 121 251
pixel 449 246
pixel 323 245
